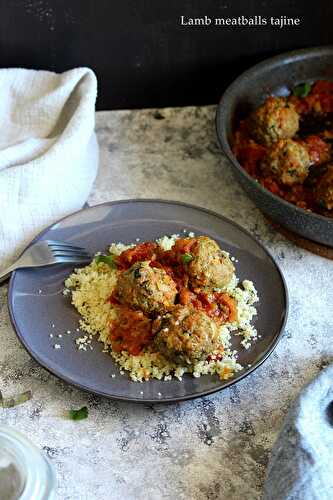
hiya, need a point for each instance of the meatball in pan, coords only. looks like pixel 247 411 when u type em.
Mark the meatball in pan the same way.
pixel 275 119
pixel 287 161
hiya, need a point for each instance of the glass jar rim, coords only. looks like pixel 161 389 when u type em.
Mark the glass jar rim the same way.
pixel 37 473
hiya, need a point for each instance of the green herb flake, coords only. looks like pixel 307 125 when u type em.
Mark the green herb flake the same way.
pixel 106 259
pixel 302 90
pixel 19 399
pixel 80 414
pixel 186 258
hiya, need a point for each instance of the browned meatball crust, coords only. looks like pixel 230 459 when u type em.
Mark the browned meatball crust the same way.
pixel 147 288
pixel 185 334
pixel 275 119
pixel 209 267
pixel 287 161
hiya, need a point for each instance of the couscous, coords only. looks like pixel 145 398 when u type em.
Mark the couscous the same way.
pixel 165 308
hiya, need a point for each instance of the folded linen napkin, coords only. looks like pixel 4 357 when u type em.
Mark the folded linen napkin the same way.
pixel 48 151
pixel 301 465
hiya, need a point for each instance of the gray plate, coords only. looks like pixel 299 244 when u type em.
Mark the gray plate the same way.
pixel 275 76
pixel 36 300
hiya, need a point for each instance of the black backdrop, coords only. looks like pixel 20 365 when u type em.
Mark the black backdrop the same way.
pixel 141 54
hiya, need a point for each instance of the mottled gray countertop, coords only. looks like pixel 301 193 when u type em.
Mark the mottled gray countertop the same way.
pixel 213 447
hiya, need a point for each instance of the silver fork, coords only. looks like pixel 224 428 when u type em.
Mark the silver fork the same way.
pixel 47 253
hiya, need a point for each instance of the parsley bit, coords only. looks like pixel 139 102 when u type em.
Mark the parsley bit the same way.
pixel 80 414
pixel 302 90
pixel 106 259
pixel 186 258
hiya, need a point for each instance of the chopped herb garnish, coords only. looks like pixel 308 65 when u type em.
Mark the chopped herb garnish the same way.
pixel 186 258
pixel 106 259
pixel 302 90
pixel 15 400
pixel 80 414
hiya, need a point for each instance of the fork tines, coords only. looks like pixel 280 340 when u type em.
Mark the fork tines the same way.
pixel 63 249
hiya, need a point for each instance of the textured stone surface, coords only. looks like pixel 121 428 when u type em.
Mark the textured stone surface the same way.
pixel 214 447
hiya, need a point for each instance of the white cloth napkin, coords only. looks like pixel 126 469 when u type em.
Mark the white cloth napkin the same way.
pixel 48 151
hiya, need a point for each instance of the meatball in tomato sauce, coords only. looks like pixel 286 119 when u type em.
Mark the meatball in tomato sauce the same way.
pixel 287 161
pixel 275 119
pixel 147 288
pixel 185 334
pixel 208 267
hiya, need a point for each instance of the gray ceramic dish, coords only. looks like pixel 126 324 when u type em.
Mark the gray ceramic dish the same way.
pixel 36 302
pixel 275 76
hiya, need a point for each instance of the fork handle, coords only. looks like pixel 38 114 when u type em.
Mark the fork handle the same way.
pixel 6 273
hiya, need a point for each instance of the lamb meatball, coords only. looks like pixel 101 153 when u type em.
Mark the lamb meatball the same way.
pixel 324 189
pixel 185 335
pixel 209 267
pixel 275 119
pixel 147 288
pixel 287 161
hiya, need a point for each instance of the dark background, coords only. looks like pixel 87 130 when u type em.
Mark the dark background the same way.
pixel 141 54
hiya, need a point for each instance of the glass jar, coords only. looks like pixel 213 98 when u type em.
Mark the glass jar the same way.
pixel 25 473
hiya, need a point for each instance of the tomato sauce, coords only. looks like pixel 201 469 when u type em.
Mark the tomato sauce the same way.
pixel 219 306
pixel 143 251
pixel 131 331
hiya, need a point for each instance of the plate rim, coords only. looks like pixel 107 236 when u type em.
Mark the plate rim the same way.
pixel 227 383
